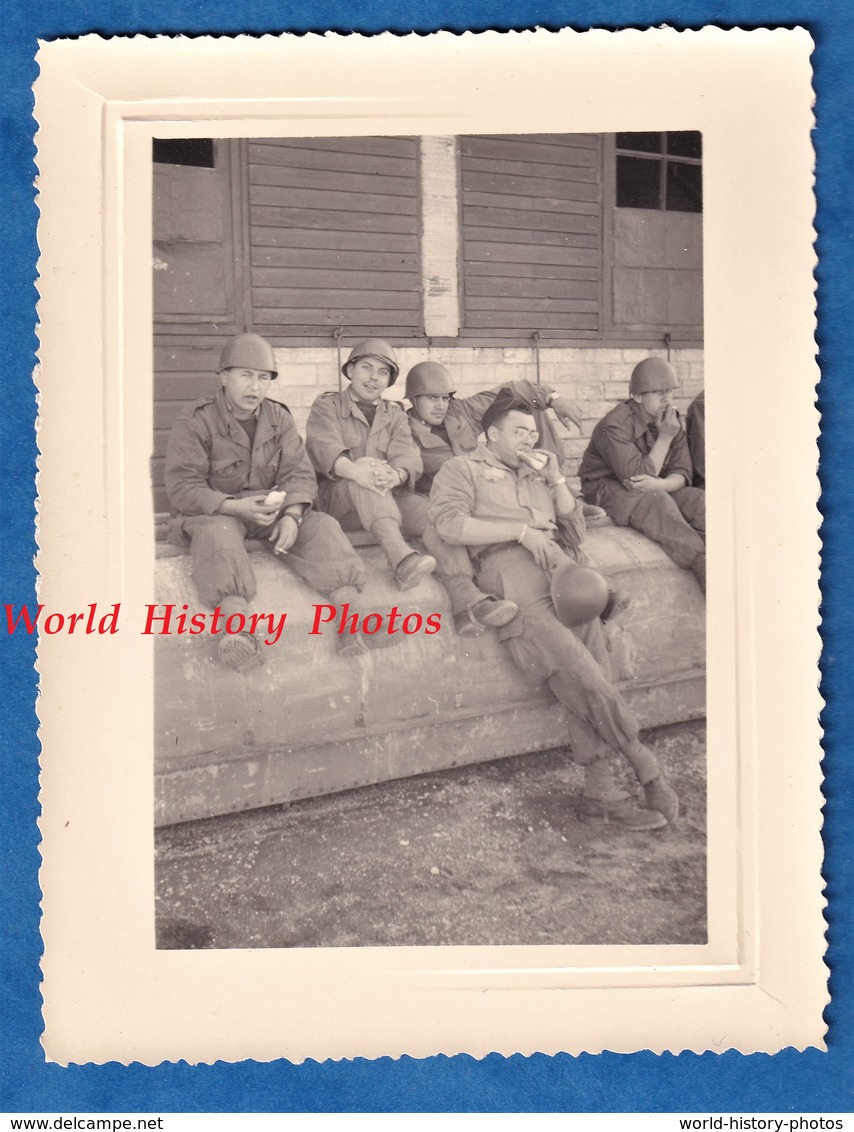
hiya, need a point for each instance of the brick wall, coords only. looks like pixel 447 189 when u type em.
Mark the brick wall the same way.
pixel 595 378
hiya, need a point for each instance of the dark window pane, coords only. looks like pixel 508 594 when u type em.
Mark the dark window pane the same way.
pixel 684 187
pixel 646 143
pixel 184 151
pixel 638 182
pixel 685 143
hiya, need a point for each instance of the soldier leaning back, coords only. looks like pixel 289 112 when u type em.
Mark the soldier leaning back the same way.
pixel 507 513
pixel 444 425
pixel 225 454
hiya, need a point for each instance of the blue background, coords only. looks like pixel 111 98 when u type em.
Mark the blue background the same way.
pixel 800 1082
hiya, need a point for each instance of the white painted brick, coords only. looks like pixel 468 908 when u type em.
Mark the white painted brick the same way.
pixel 576 446
pixel 591 391
pixel 601 354
pixel 317 355
pixel 566 356
pixel 595 410
pixel 520 356
pixel 303 374
pixel 616 390
pixel 293 395
pixel 493 355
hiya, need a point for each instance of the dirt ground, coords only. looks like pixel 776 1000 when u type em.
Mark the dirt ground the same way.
pixel 488 854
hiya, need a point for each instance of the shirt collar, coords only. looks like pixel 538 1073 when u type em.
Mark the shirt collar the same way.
pixel 641 423
pixel 226 413
pixel 349 405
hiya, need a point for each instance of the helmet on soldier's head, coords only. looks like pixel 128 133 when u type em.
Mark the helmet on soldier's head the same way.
pixel 579 594
pixel 652 374
pixel 428 379
pixel 250 351
pixel 373 348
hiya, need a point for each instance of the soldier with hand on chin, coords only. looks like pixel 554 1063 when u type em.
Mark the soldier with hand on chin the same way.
pixel 638 468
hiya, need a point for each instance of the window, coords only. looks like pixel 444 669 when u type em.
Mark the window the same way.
pixel 661 171
pixel 183 151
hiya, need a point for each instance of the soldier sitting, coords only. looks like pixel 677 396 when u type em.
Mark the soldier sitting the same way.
pixel 637 466
pixel 444 425
pixel 367 461
pixel 236 468
pixel 695 428
pixel 495 502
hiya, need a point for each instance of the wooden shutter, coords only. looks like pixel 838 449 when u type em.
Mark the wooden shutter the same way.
pixel 334 236
pixel 196 288
pixel 532 235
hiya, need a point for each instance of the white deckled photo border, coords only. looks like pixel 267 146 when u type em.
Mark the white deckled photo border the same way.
pixel 760 982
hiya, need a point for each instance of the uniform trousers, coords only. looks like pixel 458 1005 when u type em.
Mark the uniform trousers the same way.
pixel 572 662
pixel 356 508
pixel 675 520
pixel 321 555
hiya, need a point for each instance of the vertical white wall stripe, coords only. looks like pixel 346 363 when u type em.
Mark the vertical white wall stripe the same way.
pixel 440 236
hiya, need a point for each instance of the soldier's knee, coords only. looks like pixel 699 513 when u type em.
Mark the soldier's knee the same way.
pixel 217 530
pixel 655 506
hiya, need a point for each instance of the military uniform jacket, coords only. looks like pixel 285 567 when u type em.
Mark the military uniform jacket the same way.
pixel 476 487
pixel 695 426
pixel 209 458
pixel 620 448
pixel 337 427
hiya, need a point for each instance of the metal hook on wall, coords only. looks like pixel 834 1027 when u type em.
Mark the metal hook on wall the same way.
pixel 537 336
pixel 336 334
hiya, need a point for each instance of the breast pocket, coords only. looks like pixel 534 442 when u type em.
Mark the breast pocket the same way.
pixel 227 473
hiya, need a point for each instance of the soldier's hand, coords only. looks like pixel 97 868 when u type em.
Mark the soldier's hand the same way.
pixel 385 476
pixel 566 411
pixel 284 534
pixel 643 483
pixel 551 468
pixel 369 474
pixel 539 546
pixel 252 509
pixel 669 424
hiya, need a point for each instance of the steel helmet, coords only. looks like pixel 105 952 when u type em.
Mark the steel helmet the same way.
pixel 652 374
pixel 373 348
pixel 429 379
pixel 249 350
pixel 579 593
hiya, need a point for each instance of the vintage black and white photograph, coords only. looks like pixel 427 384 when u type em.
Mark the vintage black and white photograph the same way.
pixel 380 709
pixel 429 492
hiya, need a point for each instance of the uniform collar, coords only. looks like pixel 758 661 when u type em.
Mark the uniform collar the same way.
pixel 350 408
pixel 639 418
pixel 230 425
pixel 421 426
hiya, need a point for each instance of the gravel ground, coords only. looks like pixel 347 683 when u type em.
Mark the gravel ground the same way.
pixel 488 854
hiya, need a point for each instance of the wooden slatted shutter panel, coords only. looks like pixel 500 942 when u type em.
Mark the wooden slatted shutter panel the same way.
pixel 195 288
pixel 532 235
pixel 334 236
